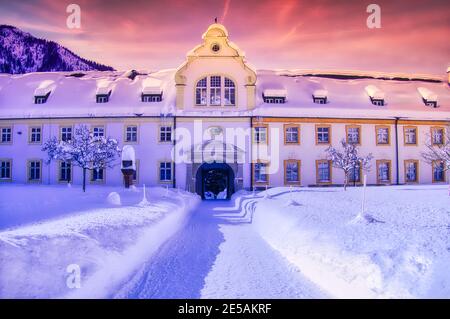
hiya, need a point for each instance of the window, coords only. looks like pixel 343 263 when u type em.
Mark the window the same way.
pixel 131 133
pixel 6 135
pixel 5 169
pixel 291 134
pixel 382 135
pixel 65 172
pixel 214 90
pixel 320 100
pixel 39 100
pixel 66 133
pixel 353 134
pixel 383 171
pixel 230 93
pixel 377 102
pixel 151 98
pixel 438 171
pixel 354 175
pixel 165 171
pixel 410 135
pixel 323 171
pixel 292 172
pixel 260 134
pixel 323 134
pixel 102 98
pixel 98 131
pixel 215 47
pixel 34 135
pixel 221 90
pixel 34 170
pixel 200 92
pixel 165 134
pixel 97 175
pixel 411 171
pixel 274 100
pixel 260 173
pixel 437 135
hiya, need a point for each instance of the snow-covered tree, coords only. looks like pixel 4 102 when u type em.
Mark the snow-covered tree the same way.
pixel 347 159
pixel 84 150
pixel 438 151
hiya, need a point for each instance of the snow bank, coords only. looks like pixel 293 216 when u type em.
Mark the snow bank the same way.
pixel 107 244
pixel 406 255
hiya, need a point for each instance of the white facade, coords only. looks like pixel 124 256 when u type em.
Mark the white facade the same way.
pixel 344 105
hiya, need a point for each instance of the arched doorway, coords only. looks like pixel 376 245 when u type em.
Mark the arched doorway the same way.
pixel 215 181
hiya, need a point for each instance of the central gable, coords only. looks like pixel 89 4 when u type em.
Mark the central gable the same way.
pixel 215 60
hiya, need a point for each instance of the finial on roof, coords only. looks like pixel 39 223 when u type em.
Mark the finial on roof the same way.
pixel 215 20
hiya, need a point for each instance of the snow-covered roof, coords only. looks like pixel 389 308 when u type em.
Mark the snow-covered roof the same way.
pixel 44 88
pixel 374 92
pixel 72 96
pixel 104 87
pixel 320 93
pixel 151 86
pixel 275 92
pixel 427 94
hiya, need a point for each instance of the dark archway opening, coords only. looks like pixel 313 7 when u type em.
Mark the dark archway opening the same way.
pixel 215 181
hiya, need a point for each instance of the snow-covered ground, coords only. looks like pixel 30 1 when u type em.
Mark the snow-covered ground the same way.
pixel 281 243
pixel 108 232
pixel 403 253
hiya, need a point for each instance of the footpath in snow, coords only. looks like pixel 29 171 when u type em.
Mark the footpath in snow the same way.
pixel 218 255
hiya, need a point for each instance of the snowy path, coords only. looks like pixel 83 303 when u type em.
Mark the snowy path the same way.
pixel 218 255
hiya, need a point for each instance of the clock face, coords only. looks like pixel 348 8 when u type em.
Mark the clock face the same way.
pixel 215 47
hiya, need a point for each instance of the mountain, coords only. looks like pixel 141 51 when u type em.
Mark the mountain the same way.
pixel 20 52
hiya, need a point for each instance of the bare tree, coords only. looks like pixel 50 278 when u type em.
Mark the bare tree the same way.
pixel 84 150
pixel 438 149
pixel 347 159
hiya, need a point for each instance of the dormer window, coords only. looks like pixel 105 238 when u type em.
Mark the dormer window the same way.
pixel 428 97
pixel 102 98
pixel 151 97
pixel 377 102
pixel 151 90
pixel 41 99
pixel 375 94
pixel 320 96
pixel 274 96
pixel 104 89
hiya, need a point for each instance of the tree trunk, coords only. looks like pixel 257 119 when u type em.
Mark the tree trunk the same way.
pixel 345 181
pixel 84 180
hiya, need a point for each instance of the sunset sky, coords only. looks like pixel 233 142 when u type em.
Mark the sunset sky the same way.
pixel 329 34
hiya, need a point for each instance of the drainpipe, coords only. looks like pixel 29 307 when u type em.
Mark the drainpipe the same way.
pixel 174 182
pixel 396 152
pixel 251 151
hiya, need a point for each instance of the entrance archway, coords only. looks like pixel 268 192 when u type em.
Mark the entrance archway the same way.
pixel 215 181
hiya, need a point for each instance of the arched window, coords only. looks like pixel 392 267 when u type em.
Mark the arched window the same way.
pixel 230 93
pixel 200 92
pixel 217 90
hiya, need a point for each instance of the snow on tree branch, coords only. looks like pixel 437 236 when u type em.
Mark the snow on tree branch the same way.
pixel 438 152
pixel 84 150
pixel 347 159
